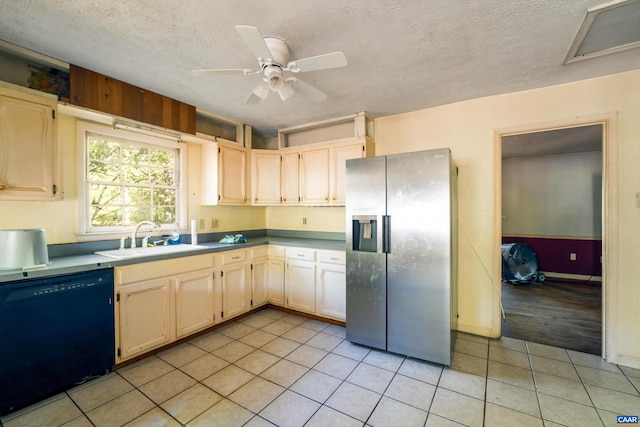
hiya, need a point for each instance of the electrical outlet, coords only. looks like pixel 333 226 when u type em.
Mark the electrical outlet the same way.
pixel 201 223
pixel 572 256
pixel 304 221
pixel 215 223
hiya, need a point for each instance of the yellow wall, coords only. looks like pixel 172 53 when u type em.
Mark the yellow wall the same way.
pixel 318 219
pixel 468 129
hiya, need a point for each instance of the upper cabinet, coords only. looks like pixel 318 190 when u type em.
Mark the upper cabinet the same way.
pixel 232 174
pixel 102 93
pixel 289 178
pixel 323 173
pixel 29 168
pixel 265 177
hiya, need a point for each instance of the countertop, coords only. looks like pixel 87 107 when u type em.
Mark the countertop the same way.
pixel 79 263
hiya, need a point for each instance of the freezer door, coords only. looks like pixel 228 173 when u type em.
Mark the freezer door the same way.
pixel 366 263
pixel 419 258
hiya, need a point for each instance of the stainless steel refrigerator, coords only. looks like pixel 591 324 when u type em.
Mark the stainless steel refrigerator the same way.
pixel 401 253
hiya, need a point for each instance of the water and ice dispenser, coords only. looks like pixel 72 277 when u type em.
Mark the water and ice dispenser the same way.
pixel 365 238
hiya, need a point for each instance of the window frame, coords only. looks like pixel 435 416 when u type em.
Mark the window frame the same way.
pixel 85 231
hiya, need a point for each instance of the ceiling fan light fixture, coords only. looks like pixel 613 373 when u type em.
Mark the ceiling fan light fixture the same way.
pixel 274 78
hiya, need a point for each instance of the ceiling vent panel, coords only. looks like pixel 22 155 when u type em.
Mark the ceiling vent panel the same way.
pixel 608 28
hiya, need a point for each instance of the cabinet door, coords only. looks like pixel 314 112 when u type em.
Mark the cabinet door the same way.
pixel 301 286
pixel 314 177
pixel 331 291
pixel 265 178
pixel 290 179
pixel 232 172
pixel 259 281
pixel 194 302
pixel 339 156
pixel 275 287
pixel 145 317
pixel 28 149
pixel 236 293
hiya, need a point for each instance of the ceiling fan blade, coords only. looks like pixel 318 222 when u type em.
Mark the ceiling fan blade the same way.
pixel 258 93
pixel 320 62
pixel 286 92
pixel 254 40
pixel 309 91
pixel 221 72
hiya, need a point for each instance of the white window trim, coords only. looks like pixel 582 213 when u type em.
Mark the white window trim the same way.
pixel 84 127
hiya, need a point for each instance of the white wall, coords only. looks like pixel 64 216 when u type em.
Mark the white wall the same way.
pixel 469 128
pixel 557 195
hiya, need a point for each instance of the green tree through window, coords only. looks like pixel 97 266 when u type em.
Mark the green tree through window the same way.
pixel 130 182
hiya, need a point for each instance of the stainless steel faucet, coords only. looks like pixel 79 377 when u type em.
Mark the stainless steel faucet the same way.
pixel 135 230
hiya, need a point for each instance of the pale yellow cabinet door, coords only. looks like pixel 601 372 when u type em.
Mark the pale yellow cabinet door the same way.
pixel 145 317
pixel 331 294
pixel 259 281
pixel 290 179
pixel 194 302
pixel 28 151
pixel 265 178
pixel 339 156
pixel 301 285
pixel 314 177
pixel 232 173
pixel 275 290
pixel 236 293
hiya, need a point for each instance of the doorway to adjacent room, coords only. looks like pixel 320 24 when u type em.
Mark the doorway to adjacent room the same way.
pixel 552 209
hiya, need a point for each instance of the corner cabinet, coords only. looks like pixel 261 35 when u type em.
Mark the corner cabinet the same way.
pixel 265 177
pixel 29 168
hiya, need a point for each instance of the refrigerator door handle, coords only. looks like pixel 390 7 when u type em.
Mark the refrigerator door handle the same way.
pixel 386 234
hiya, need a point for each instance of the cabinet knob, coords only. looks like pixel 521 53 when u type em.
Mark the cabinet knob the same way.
pixel 326 199
pixel 256 199
pixel 333 197
pixel 284 200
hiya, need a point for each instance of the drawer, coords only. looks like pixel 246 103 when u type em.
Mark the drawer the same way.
pixel 259 252
pixel 332 257
pixel 231 257
pixel 276 251
pixel 301 253
pixel 169 267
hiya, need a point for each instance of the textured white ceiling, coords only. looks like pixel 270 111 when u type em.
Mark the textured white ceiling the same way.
pixel 403 55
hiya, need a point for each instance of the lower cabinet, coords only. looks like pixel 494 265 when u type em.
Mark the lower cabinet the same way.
pixel 331 285
pixel 275 275
pixel 158 302
pixel 145 314
pixel 194 302
pixel 300 280
pixel 235 284
pixel 259 276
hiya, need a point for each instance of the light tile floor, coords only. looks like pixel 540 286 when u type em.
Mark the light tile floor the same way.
pixel 273 368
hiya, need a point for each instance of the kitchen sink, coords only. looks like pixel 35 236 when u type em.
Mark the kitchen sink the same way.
pixel 149 251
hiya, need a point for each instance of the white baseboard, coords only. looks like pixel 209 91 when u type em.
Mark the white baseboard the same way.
pixel 582 277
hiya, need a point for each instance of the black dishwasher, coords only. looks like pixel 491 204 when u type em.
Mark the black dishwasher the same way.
pixel 54 332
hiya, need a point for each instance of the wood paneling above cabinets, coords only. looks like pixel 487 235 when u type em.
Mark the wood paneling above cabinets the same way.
pixel 108 95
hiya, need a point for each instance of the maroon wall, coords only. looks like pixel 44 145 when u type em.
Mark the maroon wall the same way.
pixel 553 254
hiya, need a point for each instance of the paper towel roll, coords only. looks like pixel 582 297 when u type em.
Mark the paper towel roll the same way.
pixel 194 232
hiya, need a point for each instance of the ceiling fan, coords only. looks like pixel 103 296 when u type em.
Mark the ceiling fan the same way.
pixel 273 57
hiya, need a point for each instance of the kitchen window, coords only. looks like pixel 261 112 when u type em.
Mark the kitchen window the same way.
pixel 126 178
